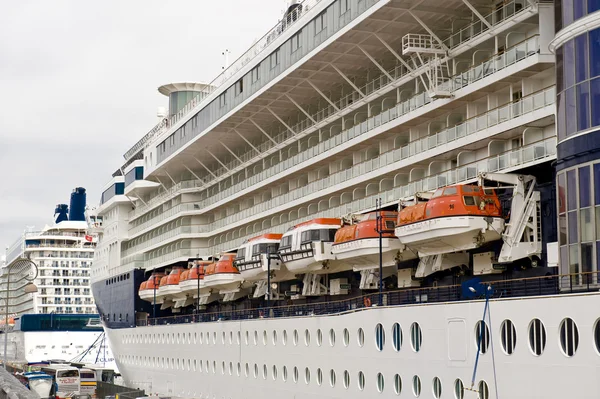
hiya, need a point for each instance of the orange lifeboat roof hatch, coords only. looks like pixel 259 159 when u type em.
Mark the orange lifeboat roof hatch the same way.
pixel 225 264
pixel 367 228
pixel 163 281
pixel 174 276
pixel 323 221
pixel 152 281
pixel 268 236
pixel 143 286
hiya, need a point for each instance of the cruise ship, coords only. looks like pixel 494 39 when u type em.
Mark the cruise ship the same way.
pixel 379 198
pixel 59 320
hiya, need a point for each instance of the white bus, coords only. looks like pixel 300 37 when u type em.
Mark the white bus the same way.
pixel 66 380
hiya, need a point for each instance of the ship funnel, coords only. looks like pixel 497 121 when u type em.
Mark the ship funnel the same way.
pixel 77 209
pixel 60 213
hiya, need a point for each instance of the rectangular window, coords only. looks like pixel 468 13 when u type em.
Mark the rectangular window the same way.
pixel 581 58
pixel 295 42
pixel 597 184
pixel 572 218
pixel 595 96
pixel 344 6
pixel 223 100
pixel 583 106
pixel 254 74
pixel 239 87
pixel 274 58
pixel 320 22
pixel 571 190
pixel 569 64
pixel 561 126
pixel 571 111
pixel 594 53
pixel 585 189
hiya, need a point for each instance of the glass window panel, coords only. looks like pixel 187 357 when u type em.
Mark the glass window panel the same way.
pixel 595 96
pixel 569 64
pixel 562 205
pixel 567 12
pixel 587 261
pixel 562 129
pixel 597 184
pixel 559 68
pixel 562 229
pixel 574 260
pixel 571 111
pixel 579 9
pixel 571 190
pixel 564 260
pixel 594 44
pixel 584 187
pixel 572 227
pixel 581 57
pixel 583 106
pixel 592 5
pixel 558 15
pixel 598 222
pixel 587 225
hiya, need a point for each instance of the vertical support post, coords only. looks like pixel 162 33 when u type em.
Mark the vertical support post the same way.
pixel 154 303
pixel 198 293
pixel 379 224
pixel 6 319
pixel 268 284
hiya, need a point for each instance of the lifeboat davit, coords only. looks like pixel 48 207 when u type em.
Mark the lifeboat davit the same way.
pixel 357 243
pixel 257 256
pixel 223 276
pixel 306 247
pixel 147 288
pixel 456 218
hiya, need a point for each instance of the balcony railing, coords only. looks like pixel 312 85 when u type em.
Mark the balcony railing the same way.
pixel 301 128
pixel 513 288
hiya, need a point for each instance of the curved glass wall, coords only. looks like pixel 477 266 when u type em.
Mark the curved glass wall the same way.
pixel 578 84
pixel 568 11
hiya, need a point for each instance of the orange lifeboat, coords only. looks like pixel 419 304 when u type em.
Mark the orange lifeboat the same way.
pixel 147 288
pixel 456 218
pixel 306 247
pixel 169 285
pixel 222 275
pixel 357 242
pixel 258 255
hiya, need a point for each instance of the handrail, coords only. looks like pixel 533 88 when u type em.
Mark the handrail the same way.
pixel 555 284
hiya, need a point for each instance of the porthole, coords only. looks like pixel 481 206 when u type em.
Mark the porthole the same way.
pixel 264 337
pixel 332 378
pixel 239 337
pixel 284 374
pixel 537 337
pixel 459 389
pixel 264 371
pixel 274 337
pixel 482 336
pixel 380 382
pixel 195 364
pixel 223 368
pixel 214 337
pixel 416 337
pixel 332 337
pixel 239 369
pixel 597 335
pixel 346 379
pixel 397 336
pixel 347 338
pixel 437 388
pixel 230 337
pixel 247 338
pixel 306 337
pixel 307 375
pixel 214 367
pixel 379 337
pixel 397 384
pixel 483 390
pixel 569 337
pixel 223 337
pixel 195 337
pixel 319 337
pixel 361 380
pixel 255 370
pixel 230 368
pixel 360 337
pixel 295 337
pixel 295 374
pixel 508 337
pixel 416 386
pixel 284 337
pixel 201 337
pixel 319 377
pixel 247 370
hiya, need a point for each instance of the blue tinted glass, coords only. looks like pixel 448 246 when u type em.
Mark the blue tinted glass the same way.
pixel 584 187
pixel 581 57
pixel 559 69
pixel 572 216
pixel 597 185
pixel 578 9
pixel 571 190
pixel 594 52
pixel 593 5
pixel 583 106
pixel 571 109
pixel 569 64
pixel 567 10
pixel 560 115
pixel 595 96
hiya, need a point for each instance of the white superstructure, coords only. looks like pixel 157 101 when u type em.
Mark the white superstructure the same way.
pixel 347 108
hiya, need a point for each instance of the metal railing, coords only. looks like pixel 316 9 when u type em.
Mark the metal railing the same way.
pixel 512 288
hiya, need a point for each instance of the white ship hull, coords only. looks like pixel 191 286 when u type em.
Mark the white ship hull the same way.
pixel 363 254
pixel 167 359
pixel 449 234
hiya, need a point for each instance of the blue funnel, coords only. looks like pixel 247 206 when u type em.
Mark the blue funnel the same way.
pixel 60 213
pixel 77 208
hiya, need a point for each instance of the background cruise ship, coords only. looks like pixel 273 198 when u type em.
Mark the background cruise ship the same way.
pixel 60 320
pixel 344 114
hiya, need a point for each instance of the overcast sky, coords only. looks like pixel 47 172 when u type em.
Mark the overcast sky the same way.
pixel 78 84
